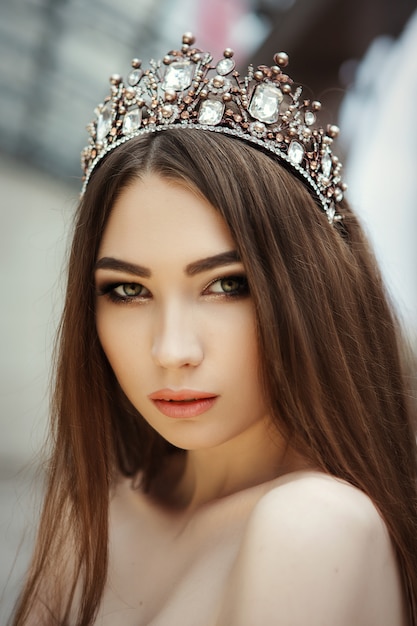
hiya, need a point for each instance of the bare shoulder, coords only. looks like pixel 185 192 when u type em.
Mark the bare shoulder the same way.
pixel 316 502
pixel 316 551
pixel 323 518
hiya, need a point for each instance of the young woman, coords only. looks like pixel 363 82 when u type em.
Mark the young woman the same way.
pixel 232 437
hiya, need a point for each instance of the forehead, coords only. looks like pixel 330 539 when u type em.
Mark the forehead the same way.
pixel 154 217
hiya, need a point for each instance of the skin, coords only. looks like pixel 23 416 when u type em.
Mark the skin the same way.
pixel 184 331
pixel 239 531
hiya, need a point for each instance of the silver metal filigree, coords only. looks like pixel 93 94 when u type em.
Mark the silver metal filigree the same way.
pixel 185 89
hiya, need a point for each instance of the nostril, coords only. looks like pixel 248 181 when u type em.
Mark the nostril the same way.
pixel 175 350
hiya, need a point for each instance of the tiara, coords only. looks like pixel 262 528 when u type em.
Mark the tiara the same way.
pixel 186 90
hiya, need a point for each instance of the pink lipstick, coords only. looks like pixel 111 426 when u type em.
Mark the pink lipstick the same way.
pixel 183 403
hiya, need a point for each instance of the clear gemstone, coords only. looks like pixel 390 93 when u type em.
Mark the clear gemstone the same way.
pixel 134 77
pixel 326 165
pixel 131 121
pixel 211 112
pixel 225 66
pixel 265 103
pixel 104 121
pixel 296 152
pixel 178 76
pixel 309 118
pixel 145 98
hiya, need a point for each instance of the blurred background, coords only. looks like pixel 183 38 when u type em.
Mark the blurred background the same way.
pixel 359 58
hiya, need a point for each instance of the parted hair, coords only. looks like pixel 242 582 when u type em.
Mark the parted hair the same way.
pixel 330 352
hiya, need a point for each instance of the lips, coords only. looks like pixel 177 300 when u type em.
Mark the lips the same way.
pixel 184 403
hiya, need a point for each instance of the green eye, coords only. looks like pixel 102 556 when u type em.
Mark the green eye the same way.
pixel 131 289
pixel 229 286
pixel 128 292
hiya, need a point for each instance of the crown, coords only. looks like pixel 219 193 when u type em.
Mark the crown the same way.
pixel 186 90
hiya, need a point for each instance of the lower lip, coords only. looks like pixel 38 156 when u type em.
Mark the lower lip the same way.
pixel 185 409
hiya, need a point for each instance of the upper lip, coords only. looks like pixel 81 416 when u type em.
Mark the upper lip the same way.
pixel 180 395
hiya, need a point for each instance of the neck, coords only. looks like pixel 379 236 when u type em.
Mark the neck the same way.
pixel 258 456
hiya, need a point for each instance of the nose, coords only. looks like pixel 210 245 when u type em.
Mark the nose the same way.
pixel 176 342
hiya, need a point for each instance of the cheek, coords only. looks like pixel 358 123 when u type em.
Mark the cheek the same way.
pixel 105 331
pixel 119 340
pixel 227 334
pixel 242 335
pixel 239 352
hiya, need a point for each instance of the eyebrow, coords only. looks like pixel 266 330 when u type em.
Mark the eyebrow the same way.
pixel 196 267
pixel 109 263
pixel 211 262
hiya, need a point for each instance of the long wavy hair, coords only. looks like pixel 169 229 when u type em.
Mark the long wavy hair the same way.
pixel 331 362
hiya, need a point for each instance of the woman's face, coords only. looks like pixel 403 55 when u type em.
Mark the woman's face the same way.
pixel 175 318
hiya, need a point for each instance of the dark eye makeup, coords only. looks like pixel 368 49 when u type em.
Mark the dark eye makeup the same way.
pixel 232 286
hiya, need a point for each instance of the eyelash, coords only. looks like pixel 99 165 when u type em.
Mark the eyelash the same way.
pixel 240 291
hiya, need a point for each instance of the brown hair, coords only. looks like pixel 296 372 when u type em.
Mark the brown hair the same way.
pixel 331 364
